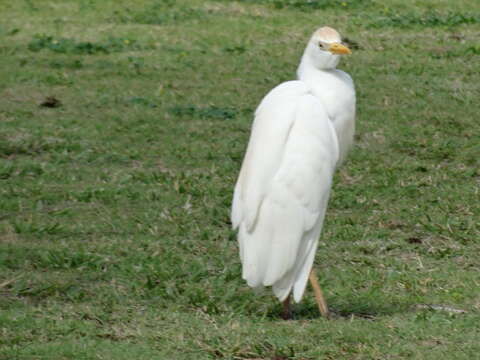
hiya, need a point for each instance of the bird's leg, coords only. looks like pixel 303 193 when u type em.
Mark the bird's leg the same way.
pixel 322 305
pixel 287 310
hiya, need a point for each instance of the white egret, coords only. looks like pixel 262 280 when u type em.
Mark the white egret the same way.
pixel 301 132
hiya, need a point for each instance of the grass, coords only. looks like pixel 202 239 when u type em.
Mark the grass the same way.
pixel 115 240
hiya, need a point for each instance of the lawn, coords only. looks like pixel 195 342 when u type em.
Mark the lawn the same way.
pixel 122 129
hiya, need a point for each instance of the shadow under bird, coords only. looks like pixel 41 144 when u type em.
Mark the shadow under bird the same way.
pixel 301 133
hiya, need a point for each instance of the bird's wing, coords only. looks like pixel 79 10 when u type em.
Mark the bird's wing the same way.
pixel 273 121
pixel 283 187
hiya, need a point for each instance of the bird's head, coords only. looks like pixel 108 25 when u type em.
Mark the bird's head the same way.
pixel 325 47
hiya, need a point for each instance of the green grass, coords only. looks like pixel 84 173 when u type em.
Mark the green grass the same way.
pixel 115 240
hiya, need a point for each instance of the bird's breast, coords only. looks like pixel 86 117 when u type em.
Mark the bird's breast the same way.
pixel 335 90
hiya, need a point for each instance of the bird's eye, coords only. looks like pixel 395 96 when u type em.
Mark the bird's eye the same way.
pixel 321 45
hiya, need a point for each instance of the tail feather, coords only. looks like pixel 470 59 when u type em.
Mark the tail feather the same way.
pixel 268 265
pixel 269 251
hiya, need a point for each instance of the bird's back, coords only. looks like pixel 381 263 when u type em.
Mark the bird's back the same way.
pixel 283 188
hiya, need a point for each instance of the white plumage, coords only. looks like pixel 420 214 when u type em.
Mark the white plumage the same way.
pixel 301 132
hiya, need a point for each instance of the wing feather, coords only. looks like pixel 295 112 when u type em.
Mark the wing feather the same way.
pixel 273 120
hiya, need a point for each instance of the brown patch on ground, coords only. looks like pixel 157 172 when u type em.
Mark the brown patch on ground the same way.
pixel 51 102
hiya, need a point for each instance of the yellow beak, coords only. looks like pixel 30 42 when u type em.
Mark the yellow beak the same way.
pixel 339 49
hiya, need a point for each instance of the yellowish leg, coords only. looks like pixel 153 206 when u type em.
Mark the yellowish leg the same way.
pixel 287 311
pixel 322 305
